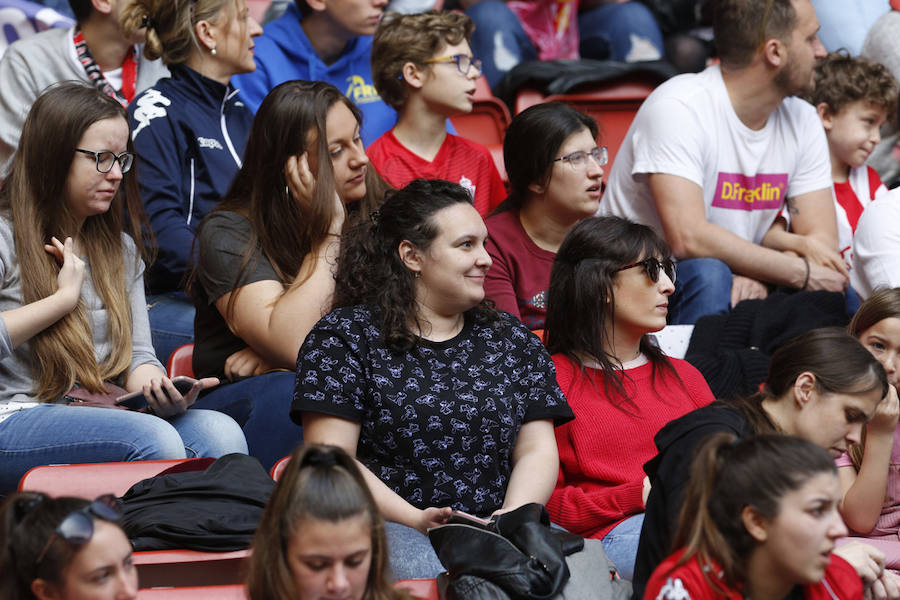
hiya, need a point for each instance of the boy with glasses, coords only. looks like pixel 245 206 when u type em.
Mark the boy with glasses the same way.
pixel 422 66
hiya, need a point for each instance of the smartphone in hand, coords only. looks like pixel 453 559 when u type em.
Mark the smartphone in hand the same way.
pixel 137 400
pixel 464 518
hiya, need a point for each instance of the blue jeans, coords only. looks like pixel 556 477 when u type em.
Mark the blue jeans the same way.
pixel 702 287
pixel 261 406
pixel 171 322
pixel 55 433
pixel 626 32
pixel 410 553
pixel 621 543
pixel 498 40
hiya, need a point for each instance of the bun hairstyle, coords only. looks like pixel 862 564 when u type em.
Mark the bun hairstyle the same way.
pixel 169 25
pixel 728 475
pixel 321 483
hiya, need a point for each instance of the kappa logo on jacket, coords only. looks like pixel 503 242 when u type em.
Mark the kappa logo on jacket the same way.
pixel 210 143
pixel 149 106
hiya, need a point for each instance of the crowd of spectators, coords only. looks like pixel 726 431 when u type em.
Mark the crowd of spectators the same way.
pixel 362 288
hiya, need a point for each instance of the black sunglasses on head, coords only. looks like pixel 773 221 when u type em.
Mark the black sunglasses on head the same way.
pixel 78 526
pixel 652 266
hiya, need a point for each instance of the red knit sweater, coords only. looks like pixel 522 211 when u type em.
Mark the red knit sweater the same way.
pixel 603 451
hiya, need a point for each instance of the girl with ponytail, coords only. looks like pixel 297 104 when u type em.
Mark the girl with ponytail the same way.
pixel 748 530
pixel 823 386
pixel 321 534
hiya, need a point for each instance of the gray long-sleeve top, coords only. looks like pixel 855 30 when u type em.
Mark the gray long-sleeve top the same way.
pixel 16 381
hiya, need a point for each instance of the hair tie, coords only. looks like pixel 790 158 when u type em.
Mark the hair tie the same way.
pixel 148 22
pixel 319 458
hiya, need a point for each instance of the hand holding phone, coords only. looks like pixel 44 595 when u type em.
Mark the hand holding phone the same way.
pixel 145 398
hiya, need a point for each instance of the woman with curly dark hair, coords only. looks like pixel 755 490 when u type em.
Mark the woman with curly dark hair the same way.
pixel 446 402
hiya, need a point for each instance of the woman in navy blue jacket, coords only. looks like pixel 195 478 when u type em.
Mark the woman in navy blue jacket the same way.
pixel 189 131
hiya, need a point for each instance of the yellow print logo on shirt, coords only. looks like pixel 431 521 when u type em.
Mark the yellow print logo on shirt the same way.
pixel 737 191
pixel 361 92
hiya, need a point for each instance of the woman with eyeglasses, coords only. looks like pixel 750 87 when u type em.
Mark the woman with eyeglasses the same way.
pixel 190 130
pixel 555 171
pixel 267 254
pixel 73 177
pixel 64 549
pixel 609 290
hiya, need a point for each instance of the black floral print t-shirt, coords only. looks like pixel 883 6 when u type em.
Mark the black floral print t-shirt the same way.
pixel 438 423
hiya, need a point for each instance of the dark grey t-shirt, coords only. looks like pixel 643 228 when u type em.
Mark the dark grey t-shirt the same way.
pixel 223 238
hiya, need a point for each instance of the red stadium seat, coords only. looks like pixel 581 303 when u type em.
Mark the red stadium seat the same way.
pixel 181 361
pixel 155 568
pixel 612 104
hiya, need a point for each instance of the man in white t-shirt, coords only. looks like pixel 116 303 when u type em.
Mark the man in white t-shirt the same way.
pixel 711 159
pixel 96 50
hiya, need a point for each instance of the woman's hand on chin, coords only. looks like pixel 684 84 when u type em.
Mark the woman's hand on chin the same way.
pixel 166 401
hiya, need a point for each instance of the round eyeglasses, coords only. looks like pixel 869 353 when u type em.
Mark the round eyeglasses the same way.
pixel 578 159
pixel 464 62
pixel 652 266
pixel 78 526
pixel 105 159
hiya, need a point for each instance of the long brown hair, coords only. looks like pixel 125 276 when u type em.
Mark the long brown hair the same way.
pixel 581 298
pixel 290 116
pixel 320 483
pixel 728 475
pixel 33 197
pixel 840 363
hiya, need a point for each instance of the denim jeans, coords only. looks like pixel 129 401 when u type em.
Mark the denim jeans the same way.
pixel 498 40
pixel 702 287
pixel 55 433
pixel 624 32
pixel 171 322
pixel 261 406
pixel 410 553
pixel 621 544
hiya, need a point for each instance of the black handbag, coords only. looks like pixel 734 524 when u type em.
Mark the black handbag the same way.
pixel 517 556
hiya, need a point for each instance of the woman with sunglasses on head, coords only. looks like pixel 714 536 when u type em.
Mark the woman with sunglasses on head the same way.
pixel 267 254
pixel 321 535
pixel 190 131
pixel 609 290
pixel 555 171
pixel 71 177
pixel 760 521
pixel 444 401
pixel 64 549
pixel 823 386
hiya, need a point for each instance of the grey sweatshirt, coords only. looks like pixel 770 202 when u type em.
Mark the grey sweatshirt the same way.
pixel 16 381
